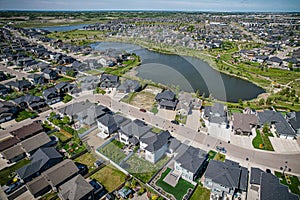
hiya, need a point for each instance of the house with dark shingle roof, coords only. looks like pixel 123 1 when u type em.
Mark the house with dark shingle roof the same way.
pixel 50 74
pixel 225 178
pixel 109 124
pixel 7 111
pixel 19 85
pixel 76 189
pixel 60 173
pixel 14 153
pixel 155 145
pixel 190 163
pixel 9 142
pixel 30 101
pixel 51 96
pixel 294 120
pixel 28 130
pixel 109 81
pixel 276 120
pixel 41 160
pixel 132 132
pixel 129 86
pixel 31 144
pixel 216 115
pixel 167 100
pixel 244 123
pixel 38 186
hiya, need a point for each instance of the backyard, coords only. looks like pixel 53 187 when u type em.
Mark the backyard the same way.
pixel 291 181
pixel 201 193
pixel 113 152
pixel 262 141
pixel 87 159
pixel 143 169
pixel 8 173
pixel 62 136
pixel 110 177
pixel 179 190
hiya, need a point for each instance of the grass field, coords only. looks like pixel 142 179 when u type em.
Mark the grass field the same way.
pixel 88 160
pixel 62 136
pixel 25 115
pixel 8 173
pixel 113 152
pixel 179 190
pixel 220 157
pixel 262 141
pixel 293 184
pixel 110 177
pixel 201 193
pixel 143 169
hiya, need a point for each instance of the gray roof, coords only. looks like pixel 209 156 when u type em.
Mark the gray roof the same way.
pixel 244 121
pixel 166 95
pixel 76 107
pixel 109 77
pixel 112 122
pixel 161 139
pixel 192 159
pixel 131 85
pixel 13 152
pixel 49 91
pixel 135 128
pixel 38 184
pixel 168 103
pixel 61 172
pixel 38 160
pixel 294 119
pixel 35 142
pixel 255 175
pixel 28 99
pixel 27 130
pixel 271 189
pixel 19 84
pixel 226 173
pixel 282 126
pixel 174 144
pixel 216 113
pixel 75 189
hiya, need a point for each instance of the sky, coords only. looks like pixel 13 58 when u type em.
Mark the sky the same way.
pixel 181 5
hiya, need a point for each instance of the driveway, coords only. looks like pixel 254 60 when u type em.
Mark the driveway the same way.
pixel 281 145
pixel 166 114
pixel 220 133
pixel 193 120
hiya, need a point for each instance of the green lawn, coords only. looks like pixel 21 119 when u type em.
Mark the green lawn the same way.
pixel 61 136
pixel 74 147
pixel 118 144
pixel 201 193
pixel 181 119
pixel 109 177
pixel 143 169
pixel 82 130
pixel 64 79
pixel 8 173
pixel 262 141
pixel 25 115
pixel 113 152
pixel 87 159
pixel 211 154
pixel 67 98
pixel 179 190
pixel 156 130
pixel 294 182
pixel 220 157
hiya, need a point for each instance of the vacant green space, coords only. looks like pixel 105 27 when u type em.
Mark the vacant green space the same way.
pixel 179 190
pixel 143 169
pixel 262 141
pixel 8 173
pixel 291 181
pixel 25 115
pixel 201 193
pixel 113 152
pixel 110 177
pixel 87 159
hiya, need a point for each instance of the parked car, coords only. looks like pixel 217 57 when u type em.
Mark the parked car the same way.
pixel 175 122
pixel 98 163
pixel 142 110
pixel 13 187
pixel 221 149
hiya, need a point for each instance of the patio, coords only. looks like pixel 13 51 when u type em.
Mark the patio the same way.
pixel 172 178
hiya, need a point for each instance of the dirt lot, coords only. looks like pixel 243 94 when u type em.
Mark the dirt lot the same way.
pixel 143 100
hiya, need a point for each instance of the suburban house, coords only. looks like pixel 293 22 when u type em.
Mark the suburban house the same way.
pixel 19 85
pixel 30 101
pixel 109 124
pixel 76 189
pixel 186 103
pixel 129 86
pixel 50 74
pixel 225 179
pixel 64 87
pixel 109 81
pixel 28 130
pixel 3 76
pixel 41 160
pixel 14 153
pixel 269 187
pixel 132 132
pixel 294 120
pixel 31 144
pixel 38 186
pixel 274 62
pixel 166 100
pixel 277 123
pixel 7 111
pixel 8 142
pixel 155 145
pixel 243 124
pixel 4 90
pixel 36 79
pixel 89 82
pixel 51 96
pixel 190 163
pixel 60 173
pixel 216 115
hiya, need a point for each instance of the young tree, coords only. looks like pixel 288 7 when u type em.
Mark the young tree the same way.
pixel 261 102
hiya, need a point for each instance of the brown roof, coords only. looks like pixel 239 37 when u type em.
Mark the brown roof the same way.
pixel 5 144
pixel 35 142
pixel 61 172
pixel 37 184
pixel 244 121
pixel 13 152
pixel 28 130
